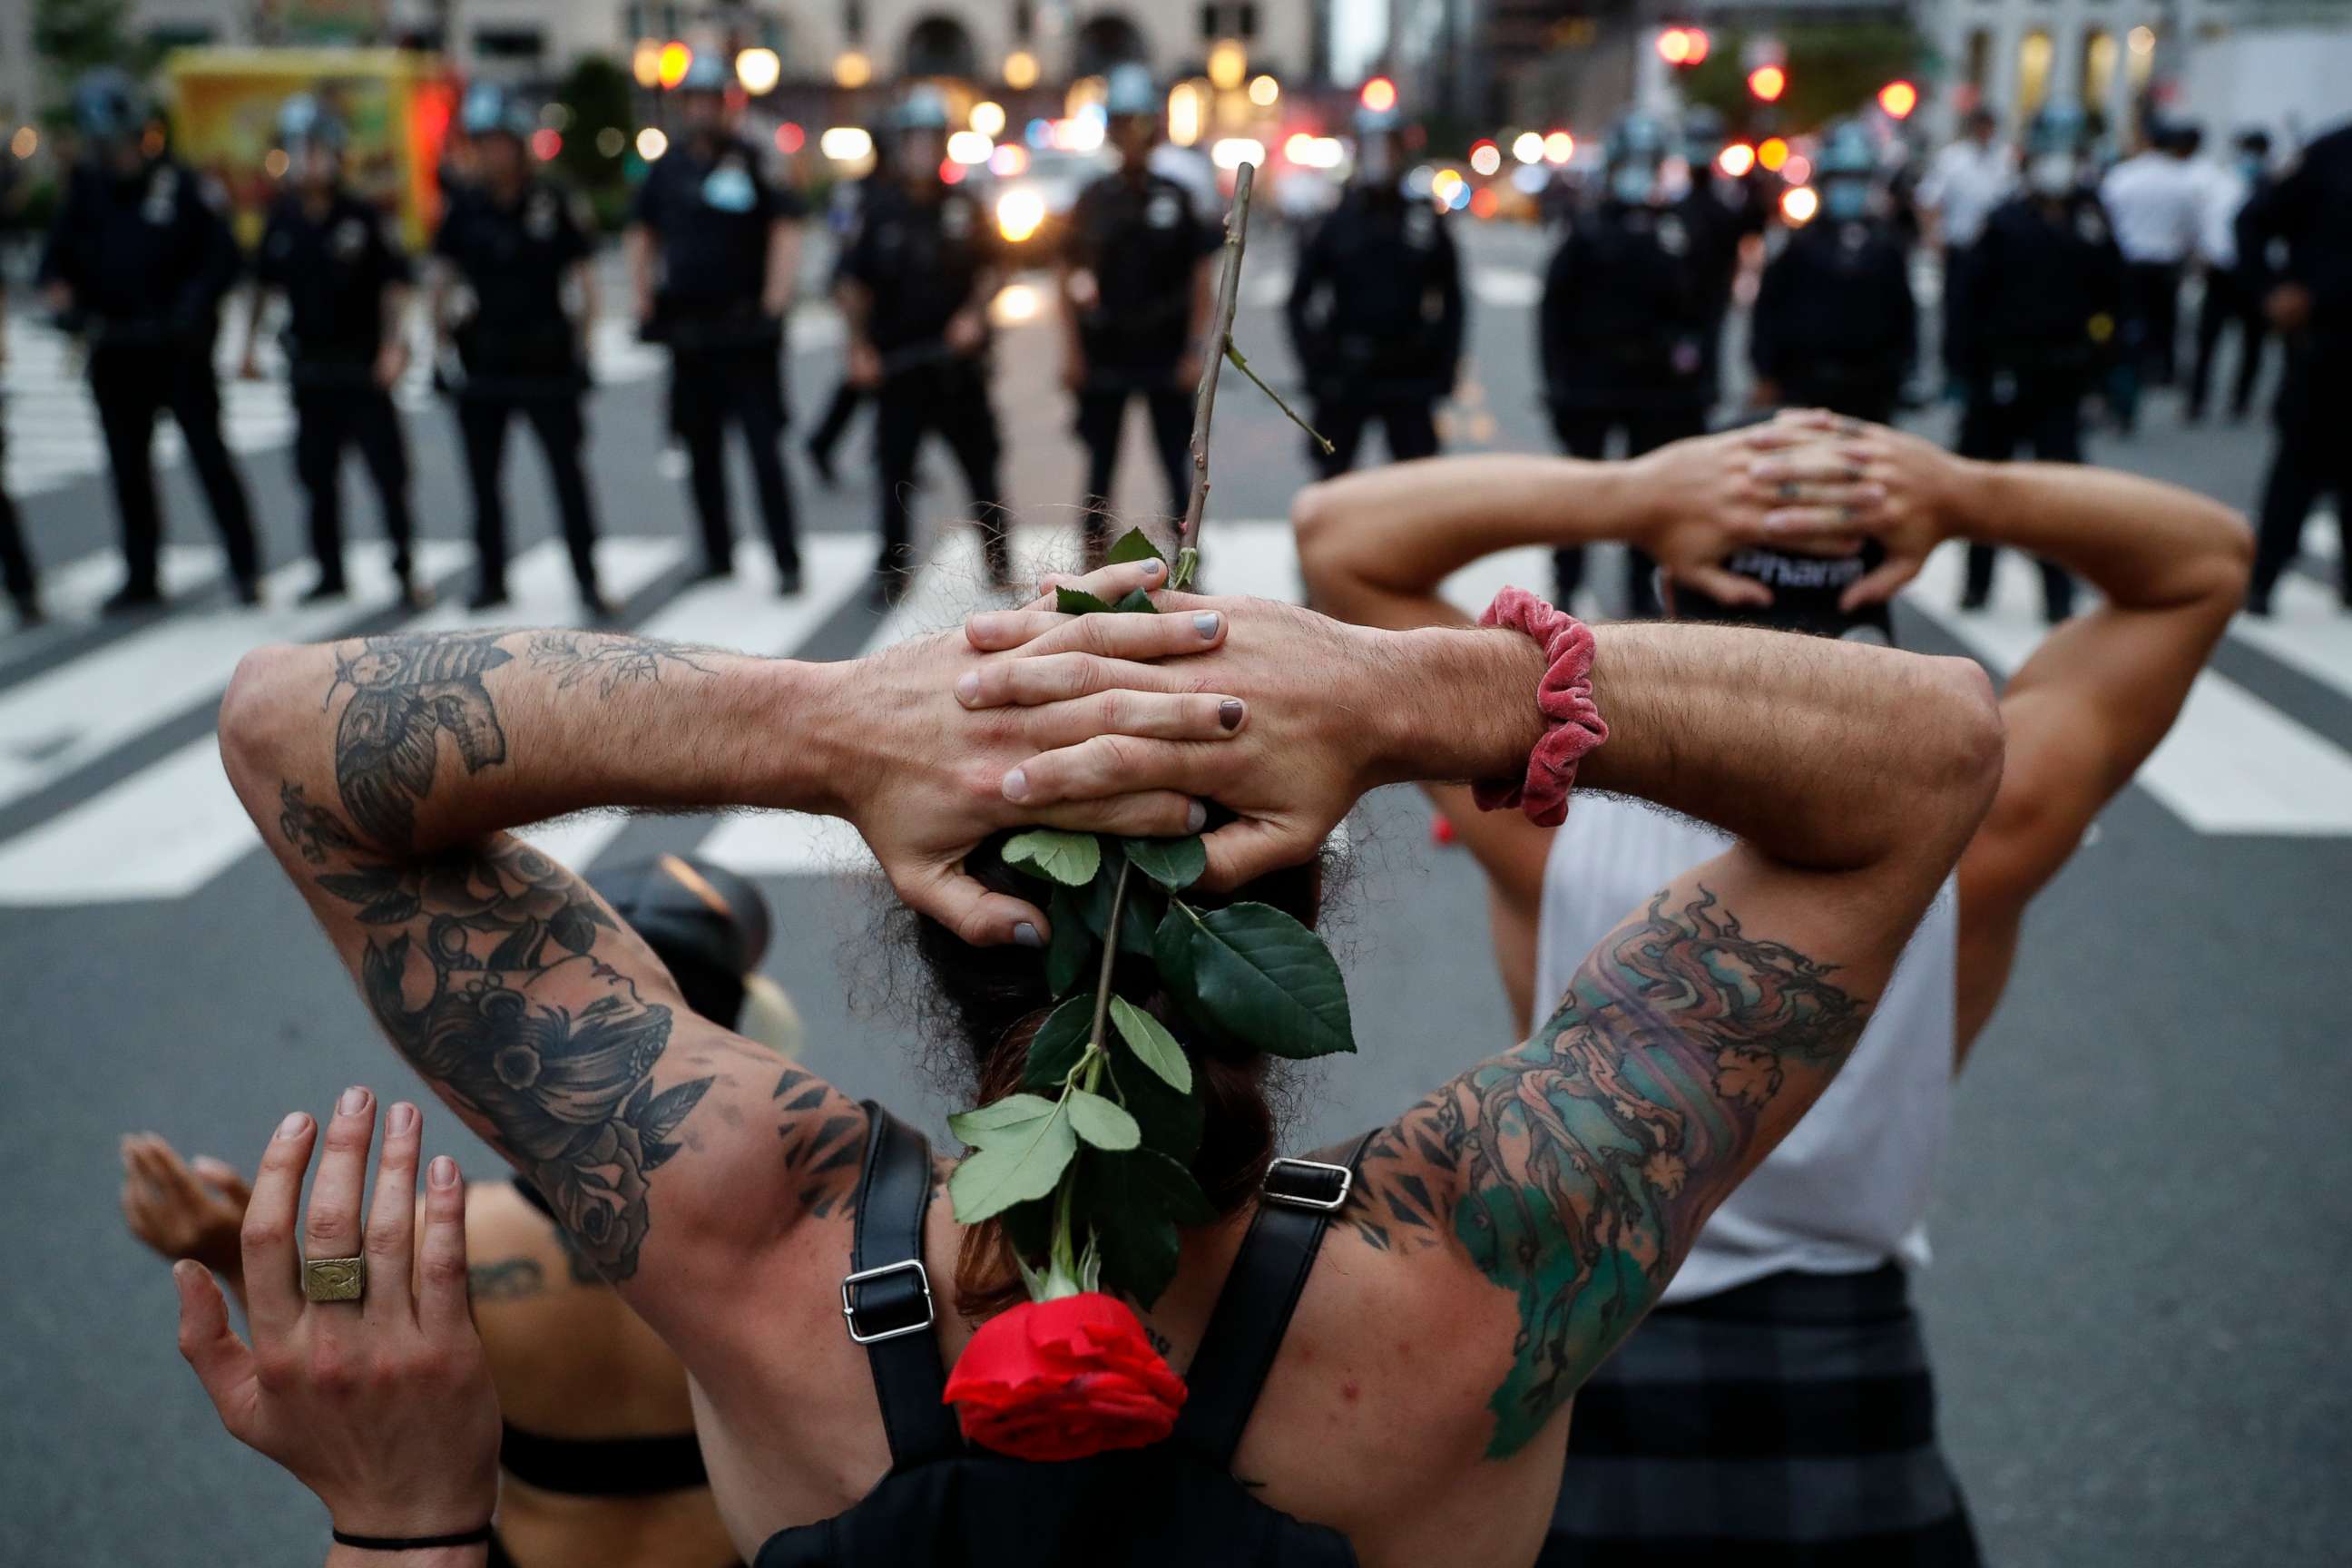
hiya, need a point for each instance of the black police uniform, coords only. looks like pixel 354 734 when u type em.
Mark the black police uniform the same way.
pixel 2310 213
pixel 1835 325
pixel 1143 241
pixel 1376 318
pixel 713 212
pixel 1723 213
pixel 2036 308
pixel 335 268
pixel 848 398
pixel 520 354
pixel 1625 324
pixel 16 573
pixel 2234 297
pixel 920 255
pixel 148 259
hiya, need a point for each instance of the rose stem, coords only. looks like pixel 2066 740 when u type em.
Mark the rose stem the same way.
pixel 1204 400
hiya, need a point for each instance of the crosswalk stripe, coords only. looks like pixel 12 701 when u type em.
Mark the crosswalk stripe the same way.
pixel 169 828
pixel 2231 763
pixel 2309 631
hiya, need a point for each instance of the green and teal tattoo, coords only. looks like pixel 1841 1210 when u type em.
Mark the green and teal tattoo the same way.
pixel 1576 1169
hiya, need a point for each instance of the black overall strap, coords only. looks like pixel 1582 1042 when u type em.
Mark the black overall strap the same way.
pixel 1297 1203
pixel 887 1296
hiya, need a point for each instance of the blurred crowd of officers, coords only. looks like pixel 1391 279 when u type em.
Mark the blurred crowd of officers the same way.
pixel 2060 281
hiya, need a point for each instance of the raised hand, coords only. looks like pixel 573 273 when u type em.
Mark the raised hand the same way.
pixel 1843 480
pixel 1706 496
pixel 382 1405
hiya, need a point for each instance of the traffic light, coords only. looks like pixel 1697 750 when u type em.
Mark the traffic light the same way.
pixel 1898 99
pixel 1683 45
pixel 1379 95
pixel 1768 83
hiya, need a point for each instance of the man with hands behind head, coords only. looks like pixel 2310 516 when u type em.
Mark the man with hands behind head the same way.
pixel 1810 523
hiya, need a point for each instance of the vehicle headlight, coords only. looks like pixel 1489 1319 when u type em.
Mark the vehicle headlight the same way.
pixel 1019 212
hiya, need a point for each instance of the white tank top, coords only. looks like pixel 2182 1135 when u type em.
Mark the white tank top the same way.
pixel 1847 1189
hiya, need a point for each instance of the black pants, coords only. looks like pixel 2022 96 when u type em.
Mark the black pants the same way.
pixel 1584 433
pixel 709 389
pixel 2313 457
pixel 2230 298
pixel 2041 410
pixel 16 561
pixel 2152 317
pixel 950 400
pixel 847 398
pixel 1410 424
pixel 1102 413
pixel 561 427
pixel 132 384
pixel 326 419
pixel 1857 397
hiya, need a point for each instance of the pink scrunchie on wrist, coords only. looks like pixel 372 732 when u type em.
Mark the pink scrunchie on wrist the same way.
pixel 1573 725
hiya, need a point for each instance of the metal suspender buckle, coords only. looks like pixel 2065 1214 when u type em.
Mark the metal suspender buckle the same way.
pixel 1307 1183
pixel 850 1308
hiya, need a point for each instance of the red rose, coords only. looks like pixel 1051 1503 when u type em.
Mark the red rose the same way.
pixel 1063 1379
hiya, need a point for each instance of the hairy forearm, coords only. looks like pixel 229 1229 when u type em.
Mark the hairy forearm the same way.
pixel 2142 543
pixel 1374 545
pixel 444 739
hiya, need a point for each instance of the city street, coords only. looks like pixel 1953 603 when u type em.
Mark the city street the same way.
pixel 2144 1238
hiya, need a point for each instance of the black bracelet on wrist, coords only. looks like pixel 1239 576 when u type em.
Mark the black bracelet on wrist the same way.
pixel 412 1542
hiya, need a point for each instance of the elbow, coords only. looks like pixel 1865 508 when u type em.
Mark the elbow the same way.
pixel 1972 743
pixel 253 709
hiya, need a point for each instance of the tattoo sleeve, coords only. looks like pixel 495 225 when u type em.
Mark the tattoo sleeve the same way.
pixel 1576 1169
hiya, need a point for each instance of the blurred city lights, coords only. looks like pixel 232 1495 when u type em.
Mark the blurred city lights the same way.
pixel 851 68
pixel 652 143
pixel 1559 147
pixel 1444 184
pixel 1530 179
pixel 969 147
pixel 1310 152
pixel 1737 159
pixel 556 116
pixel 644 63
pixel 1527 147
pixel 1772 153
pixel 2142 40
pixel 1797 168
pixel 1767 82
pixel 1228 63
pixel 1265 91
pixel 1683 45
pixel 1014 303
pixel 1484 203
pixel 671 66
pixel 26 143
pixel 1418 183
pixel 1020 70
pixel 275 162
pixel 1379 95
pixel 791 138
pixel 1233 152
pixel 1184 114
pixel 1898 99
pixel 1019 212
pixel 610 141
pixel 950 171
pixel 1038 133
pixel 988 118
pixel 758 69
pixel 1081 132
pixel 842 143
pixel 1486 157
pixel 546 143
pixel 1797 204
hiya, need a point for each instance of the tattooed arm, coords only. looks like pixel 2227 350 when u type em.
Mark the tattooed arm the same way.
pixel 1575 1169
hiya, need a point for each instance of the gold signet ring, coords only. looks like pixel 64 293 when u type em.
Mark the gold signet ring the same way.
pixel 334 1279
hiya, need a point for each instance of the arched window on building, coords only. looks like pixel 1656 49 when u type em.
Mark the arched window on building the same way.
pixel 1106 39
pixel 940 45
pixel 2033 53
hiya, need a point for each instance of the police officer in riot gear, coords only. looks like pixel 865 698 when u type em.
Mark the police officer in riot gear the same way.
pixel 2034 312
pixel 714 251
pixel 345 278
pixel 139 258
pixel 1835 325
pixel 1135 289
pixel 1724 211
pixel 1376 313
pixel 509 245
pixel 16 574
pixel 914 290
pixel 1625 322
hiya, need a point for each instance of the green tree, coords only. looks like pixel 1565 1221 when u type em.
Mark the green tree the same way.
pixel 76 35
pixel 1835 69
pixel 596 94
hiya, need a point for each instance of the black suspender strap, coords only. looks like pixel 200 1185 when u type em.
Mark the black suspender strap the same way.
pixel 1298 1199
pixel 886 1296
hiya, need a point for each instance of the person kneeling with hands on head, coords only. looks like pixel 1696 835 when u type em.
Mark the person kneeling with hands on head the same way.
pixel 1402 1400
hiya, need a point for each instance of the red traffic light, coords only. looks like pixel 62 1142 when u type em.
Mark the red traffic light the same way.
pixel 1379 95
pixel 1898 99
pixel 1683 45
pixel 1767 82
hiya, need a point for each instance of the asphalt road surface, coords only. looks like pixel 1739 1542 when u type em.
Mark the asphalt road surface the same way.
pixel 2143 1240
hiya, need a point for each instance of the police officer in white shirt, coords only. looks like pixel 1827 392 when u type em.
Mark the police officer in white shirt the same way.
pixel 2232 278
pixel 1967 180
pixel 2156 202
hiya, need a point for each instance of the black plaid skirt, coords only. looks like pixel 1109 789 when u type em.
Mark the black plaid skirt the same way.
pixel 1787 1423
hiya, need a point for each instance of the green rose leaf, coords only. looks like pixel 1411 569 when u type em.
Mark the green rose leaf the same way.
pixel 1174 863
pixel 1135 1202
pixel 1171 947
pixel 1056 1045
pixel 1153 1045
pixel 1101 1123
pixel 1169 1119
pixel 1269 982
pixel 1136 602
pixel 1072 946
pixel 989 1123
pixel 1014 1168
pixel 1078 602
pixel 1133 545
pixel 1138 916
pixel 1069 859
